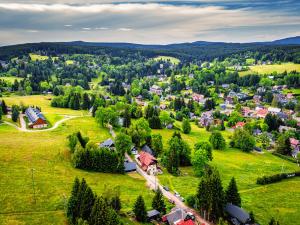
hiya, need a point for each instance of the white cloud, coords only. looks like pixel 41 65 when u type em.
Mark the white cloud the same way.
pixel 124 29
pixel 68 25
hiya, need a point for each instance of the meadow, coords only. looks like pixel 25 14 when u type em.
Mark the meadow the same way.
pixel 47 154
pixel 276 200
pixel 11 79
pixel 173 60
pixel 268 69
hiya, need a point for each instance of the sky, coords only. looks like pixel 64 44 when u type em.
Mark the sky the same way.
pixel 147 22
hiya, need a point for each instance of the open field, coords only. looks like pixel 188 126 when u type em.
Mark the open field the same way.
pixel 173 60
pixel 35 57
pixel 245 167
pixel 268 69
pixel 11 79
pixel 47 153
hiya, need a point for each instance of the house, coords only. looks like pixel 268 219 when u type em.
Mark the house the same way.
pixel 295 145
pixel 147 162
pixel 255 148
pixel 147 149
pixel 261 113
pixel 247 112
pixel 206 119
pixel 153 215
pixel 134 150
pixel 237 215
pixel 36 118
pixel 129 167
pixel 229 100
pixel 198 98
pixel 109 143
pixel 274 110
pixel 285 128
pixel 154 89
pixel 177 217
pixel 239 125
pixel 225 86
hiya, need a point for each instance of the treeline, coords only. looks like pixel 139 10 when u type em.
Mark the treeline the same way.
pixel 276 178
pixel 86 208
pixel 88 156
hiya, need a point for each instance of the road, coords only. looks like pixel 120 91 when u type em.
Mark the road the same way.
pixel 153 183
pixel 24 128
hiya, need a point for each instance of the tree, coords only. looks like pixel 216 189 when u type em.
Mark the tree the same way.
pixel 283 145
pixel 252 217
pixel 265 140
pixel 156 100
pixel 156 143
pixel 85 101
pixel 243 140
pixel 171 157
pixel 232 195
pixel 73 203
pixel 123 144
pixel 273 122
pixel 127 117
pixel 139 131
pixel 15 113
pixel 4 107
pixel 139 209
pixel 165 118
pixel 87 203
pixel 186 126
pixel 105 116
pixel 217 140
pixel 1 114
pixel 209 104
pixel 158 202
pixel 199 160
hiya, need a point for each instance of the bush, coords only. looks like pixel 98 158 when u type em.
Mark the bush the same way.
pixel 276 178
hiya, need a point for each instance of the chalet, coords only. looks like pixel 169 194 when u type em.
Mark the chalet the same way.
pixel 154 89
pixel 261 113
pixel 239 125
pixel 147 149
pixel 295 145
pixel 237 215
pixel 36 118
pixel 109 143
pixel 147 162
pixel 178 216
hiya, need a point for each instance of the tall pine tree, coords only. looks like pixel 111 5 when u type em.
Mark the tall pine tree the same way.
pixel 139 209
pixel 158 202
pixel 72 208
pixel 232 195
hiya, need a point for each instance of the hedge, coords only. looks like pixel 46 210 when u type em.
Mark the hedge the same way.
pixel 289 158
pixel 276 178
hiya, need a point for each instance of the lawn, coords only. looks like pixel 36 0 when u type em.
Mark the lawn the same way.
pixel 245 167
pixel 47 153
pixel 35 57
pixel 268 69
pixel 173 60
pixel 52 114
pixel 11 79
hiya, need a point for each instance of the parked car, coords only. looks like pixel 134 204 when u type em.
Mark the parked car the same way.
pixel 166 188
pixel 176 194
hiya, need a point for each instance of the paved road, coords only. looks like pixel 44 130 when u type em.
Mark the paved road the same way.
pixel 153 183
pixel 24 129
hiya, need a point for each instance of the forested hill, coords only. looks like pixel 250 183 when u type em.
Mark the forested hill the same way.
pixel 186 52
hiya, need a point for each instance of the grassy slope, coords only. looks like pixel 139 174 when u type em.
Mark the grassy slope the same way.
pixel 48 154
pixel 35 57
pixel 245 167
pixel 11 79
pixel 166 58
pixel 268 69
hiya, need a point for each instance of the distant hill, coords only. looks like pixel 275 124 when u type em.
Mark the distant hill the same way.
pixel 288 41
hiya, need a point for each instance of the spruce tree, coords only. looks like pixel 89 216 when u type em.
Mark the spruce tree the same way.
pixel 73 204
pixel 127 117
pixel 87 203
pixel 232 195
pixel 186 126
pixel 158 202
pixel 139 209
pixel 4 107
pixel 100 212
pixel 85 101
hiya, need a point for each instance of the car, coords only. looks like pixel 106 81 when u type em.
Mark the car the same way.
pixel 176 194
pixel 166 188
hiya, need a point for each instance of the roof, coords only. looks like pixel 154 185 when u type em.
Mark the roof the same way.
pixel 107 143
pixel 153 213
pixel 176 215
pixel 237 213
pixel 294 141
pixel 186 222
pixel 33 114
pixel 146 159
pixel 147 149
pixel 129 166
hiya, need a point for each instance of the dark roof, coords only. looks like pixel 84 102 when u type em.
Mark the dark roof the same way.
pixel 129 166
pixel 147 149
pixel 237 213
pixel 257 149
pixel 107 144
pixel 176 215
pixel 153 213
pixel 34 114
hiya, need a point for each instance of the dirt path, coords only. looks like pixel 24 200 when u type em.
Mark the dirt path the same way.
pixel 24 128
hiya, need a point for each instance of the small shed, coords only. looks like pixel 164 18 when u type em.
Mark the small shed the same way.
pixel 129 167
pixel 237 213
pixel 153 215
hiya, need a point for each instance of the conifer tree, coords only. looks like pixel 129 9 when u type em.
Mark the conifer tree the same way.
pixel 127 117
pixel 100 212
pixel 85 101
pixel 4 107
pixel 232 195
pixel 139 209
pixel 87 203
pixel 72 208
pixel 158 202
pixel 186 126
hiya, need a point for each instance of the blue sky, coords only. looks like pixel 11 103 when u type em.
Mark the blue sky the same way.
pixel 151 22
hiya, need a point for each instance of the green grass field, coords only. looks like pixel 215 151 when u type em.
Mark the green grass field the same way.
pixel 173 60
pixel 268 69
pixel 47 153
pixel 11 79
pixel 35 57
pixel 245 167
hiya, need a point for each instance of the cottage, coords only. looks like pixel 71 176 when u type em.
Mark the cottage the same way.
pixel 295 145
pixel 261 113
pixel 147 149
pixel 109 143
pixel 153 215
pixel 198 98
pixel 285 128
pixel 178 216
pixel 154 89
pixel 129 167
pixel 237 215
pixel 147 162
pixel 36 118
pixel 274 110
pixel 239 125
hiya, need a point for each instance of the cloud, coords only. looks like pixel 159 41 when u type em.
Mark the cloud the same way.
pixel 154 22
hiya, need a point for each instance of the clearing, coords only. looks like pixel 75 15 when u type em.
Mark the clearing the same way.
pixel 173 60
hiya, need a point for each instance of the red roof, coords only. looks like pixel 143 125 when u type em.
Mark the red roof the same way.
pixel 187 222
pixel 239 124
pixel 294 141
pixel 262 112
pixel 146 159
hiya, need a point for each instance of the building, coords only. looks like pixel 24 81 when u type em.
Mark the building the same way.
pixel 178 216
pixel 154 89
pixel 198 98
pixel 129 167
pixel 295 145
pixel 36 118
pixel 153 215
pixel 239 125
pixel 237 215
pixel 147 162
pixel 109 143
pixel 147 149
